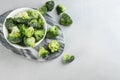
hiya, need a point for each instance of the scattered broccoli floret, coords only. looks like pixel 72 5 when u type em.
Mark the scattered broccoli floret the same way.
pixel 67 58
pixel 43 52
pixel 33 14
pixel 54 46
pixel 15 35
pixel 39 34
pixel 50 5
pixel 52 32
pixel 65 20
pixel 9 24
pixel 29 41
pixel 60 9
pixel 43 10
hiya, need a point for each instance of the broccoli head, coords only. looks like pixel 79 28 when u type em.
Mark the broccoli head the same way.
pixel 9 24
pixel 23 15
pixel 29 41
pixel 65 20
pixel 50 5
pixel 37 23
pixel 67 58
pixel 43 10
pixel 39 34
pixel 54 46
pixel 33 14
pixel 52 32
pixel 15 35
pixel 60 9
pixel 43 52
pixel 21 20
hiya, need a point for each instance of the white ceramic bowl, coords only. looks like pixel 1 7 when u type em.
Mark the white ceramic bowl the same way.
pixel 12 14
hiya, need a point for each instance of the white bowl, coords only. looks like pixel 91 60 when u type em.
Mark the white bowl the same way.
pixel 12 14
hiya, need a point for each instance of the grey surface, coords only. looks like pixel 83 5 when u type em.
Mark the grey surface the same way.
pixel 94 39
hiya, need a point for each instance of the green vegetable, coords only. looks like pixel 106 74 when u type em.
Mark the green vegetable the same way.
pixel 9 24
pixel 29 32
pixel 15 35
pixel 60 9
pixel 29 41
pixel 23 15
pixel 21 20
pixel 33 14
pixel 43 10
pixel 65 20
pixel 50 5
pixel 67 58
pixel 52 32
pixel 43 52
pixel 39 34
pixel 37 23
pixel 54 46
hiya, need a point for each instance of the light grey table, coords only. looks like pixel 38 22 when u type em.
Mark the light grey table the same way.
pixel 94 39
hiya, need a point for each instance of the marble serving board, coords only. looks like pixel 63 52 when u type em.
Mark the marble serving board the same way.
pixel 32 53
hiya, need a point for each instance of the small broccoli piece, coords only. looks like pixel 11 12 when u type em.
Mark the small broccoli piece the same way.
pixel 60 9
pixel 54 46
pixel 33 14
pixel 67 58
pixel 29 41
pixel 21 20
pixel 65 20
pixel 50 5
pixel 15 35
pixel 9 24
pixel 43 52
pixel 29 32
pixel 43 10
pixel 37 23
pixel 52 32
pixel 39 34
pixel 23 15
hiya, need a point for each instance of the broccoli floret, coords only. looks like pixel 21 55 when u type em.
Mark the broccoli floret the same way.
pixel 23 15
pixel 21 20
pixel 39 34
pixel 29 41
pixel 37 23
pixel 65 20
pixel 54 46
pixel 33 14
pixel 67 58
pixel 43 52
pixel 60 9
pixel 9 24
pixel 50 5
pixel 29 32
pixel 15 35
pixel 43 10
pixel 52 32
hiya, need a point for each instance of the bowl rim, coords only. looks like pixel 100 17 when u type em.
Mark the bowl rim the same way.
pixel 12 14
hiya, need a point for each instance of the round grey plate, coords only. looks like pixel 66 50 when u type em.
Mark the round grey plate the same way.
pixel 32 53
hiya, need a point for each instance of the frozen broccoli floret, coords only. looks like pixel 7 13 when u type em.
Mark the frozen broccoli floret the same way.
pixel 54 46
pixel 43 10
pixel 50 5
pixel 39 34
pixel 21 20
pixel 67 58
pixel 65 20
pixel 9 24
pixel 43 52
pixel 52 32
pixel 33 14
pixel 37 23
pixel 29 41
pixel 23 15
pixel 29 32
pixel 15 35
pixel 60 9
